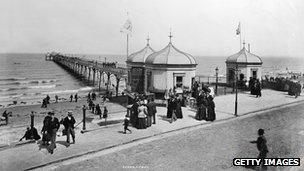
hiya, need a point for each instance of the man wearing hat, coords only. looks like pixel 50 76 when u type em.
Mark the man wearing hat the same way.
pixel 69 123
pixel 50 127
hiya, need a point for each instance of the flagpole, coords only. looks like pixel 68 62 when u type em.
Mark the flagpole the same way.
pixel 127 45
pixel 240 37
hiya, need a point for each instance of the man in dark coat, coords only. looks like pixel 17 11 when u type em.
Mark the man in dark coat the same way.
pixel 51 126
pixel 261 145
pixel 152 109
pixel 46 135
pixel 76 97
pixel 69 123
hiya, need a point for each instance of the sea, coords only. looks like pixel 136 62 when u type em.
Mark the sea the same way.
pixel 28 78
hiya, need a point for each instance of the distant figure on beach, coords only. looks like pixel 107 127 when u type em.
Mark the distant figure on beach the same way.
pixel 48 99
pixel 5 116
pixel 44 103
pixel 105 114
pixel 71 98
pixel 262 146
pixel 56 98
pixel 76 97
pixel 69 123
pixel 126 124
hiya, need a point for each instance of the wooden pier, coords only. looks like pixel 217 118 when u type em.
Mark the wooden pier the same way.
pixel 90 70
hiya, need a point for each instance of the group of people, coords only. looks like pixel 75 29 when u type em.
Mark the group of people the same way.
pixel 95 108
pixel 174 105
pixel 75 97
pixel 45 101
pixel 50 127
pixel 205 106
pixel 143 113
pixel 255 87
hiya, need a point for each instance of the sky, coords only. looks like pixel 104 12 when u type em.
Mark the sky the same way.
pixel 199 27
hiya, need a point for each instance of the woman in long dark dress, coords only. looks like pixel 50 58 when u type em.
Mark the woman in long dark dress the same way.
pixel 200 114
pixel 134 114
pixel 179 113
pixel 211 109
pixel 170 107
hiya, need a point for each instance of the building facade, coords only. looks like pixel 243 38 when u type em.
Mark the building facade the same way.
pixel 166 69
pixel 247 64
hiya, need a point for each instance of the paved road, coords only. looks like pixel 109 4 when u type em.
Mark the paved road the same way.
pixel 212 147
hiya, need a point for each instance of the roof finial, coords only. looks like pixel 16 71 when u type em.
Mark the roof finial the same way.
pixel 244 43
pixel 148 40
pixel 170 36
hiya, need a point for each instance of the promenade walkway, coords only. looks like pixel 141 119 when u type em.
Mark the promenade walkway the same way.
pixel 30 155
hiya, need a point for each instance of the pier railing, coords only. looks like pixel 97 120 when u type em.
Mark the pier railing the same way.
pixel 90 69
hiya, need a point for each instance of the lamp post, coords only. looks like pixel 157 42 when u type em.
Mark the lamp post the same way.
pixel 216 81
pixel 236 89
pixel 32 119
pixel 84 108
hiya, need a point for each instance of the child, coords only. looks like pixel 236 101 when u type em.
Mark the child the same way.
pixel 126 124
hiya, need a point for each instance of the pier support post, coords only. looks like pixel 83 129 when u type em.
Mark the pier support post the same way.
pixel 99 80
pixel 108 83
pixel 94 73
pixel 89 74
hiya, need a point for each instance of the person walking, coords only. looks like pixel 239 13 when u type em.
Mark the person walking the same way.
pixel 152 109
pixel 173 106
pixel 46 134
pixel 56 98
pixel 105 114
pixel 71 98
pixel 261 146
pixel 69 123
pixel 76 97
pixel 98 111
pixel 48 99
pixel 258 89
pixel 126 124
pixel 51 127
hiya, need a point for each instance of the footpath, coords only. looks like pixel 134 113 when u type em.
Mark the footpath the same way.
pixel 33 156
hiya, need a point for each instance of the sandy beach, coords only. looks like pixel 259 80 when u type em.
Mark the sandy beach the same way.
pixel 20 118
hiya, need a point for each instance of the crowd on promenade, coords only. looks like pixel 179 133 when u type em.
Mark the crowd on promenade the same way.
pixel 51 124
pixel 292 85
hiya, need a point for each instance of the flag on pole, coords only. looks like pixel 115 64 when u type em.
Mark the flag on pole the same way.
pixel 238 30
pixel 127 27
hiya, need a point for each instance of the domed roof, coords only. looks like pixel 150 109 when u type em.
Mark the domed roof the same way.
pixel 141 55
pixel 172 56
pixel 243 56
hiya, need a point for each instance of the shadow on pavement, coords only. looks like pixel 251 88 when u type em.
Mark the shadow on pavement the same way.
pixel 103 123
pixel 164 118
pixel 64 143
